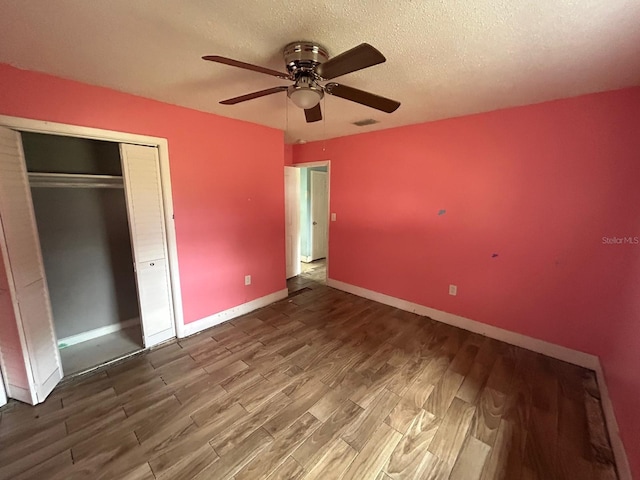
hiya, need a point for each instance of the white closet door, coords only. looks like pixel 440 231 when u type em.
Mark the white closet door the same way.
pixel 38 350
pixel 12 354
pixel 3 393
pixel 141 171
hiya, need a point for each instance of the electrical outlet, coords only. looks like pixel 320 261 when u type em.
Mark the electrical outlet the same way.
pixel 333 217
pixel 247 279
pixel 453 290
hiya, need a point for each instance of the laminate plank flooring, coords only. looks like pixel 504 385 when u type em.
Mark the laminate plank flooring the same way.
pixel 321 385
pixel 311 275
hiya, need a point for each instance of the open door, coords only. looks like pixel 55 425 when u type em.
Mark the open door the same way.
pixel 143 188
pixel 292 219
pixel 30 357
pixel 319 214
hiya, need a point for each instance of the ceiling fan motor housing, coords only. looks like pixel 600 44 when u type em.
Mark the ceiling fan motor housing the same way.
pixel 303 57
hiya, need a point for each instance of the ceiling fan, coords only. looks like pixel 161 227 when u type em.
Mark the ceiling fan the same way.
pixel 308 64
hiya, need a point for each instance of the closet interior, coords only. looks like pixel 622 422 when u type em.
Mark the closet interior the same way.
pixel 81 215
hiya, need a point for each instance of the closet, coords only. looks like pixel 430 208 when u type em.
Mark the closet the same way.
pixel 81 214
pixel 84 273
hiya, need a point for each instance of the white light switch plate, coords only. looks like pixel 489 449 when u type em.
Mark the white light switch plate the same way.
pixel 333 217
pixel 453 290
pixel 247 279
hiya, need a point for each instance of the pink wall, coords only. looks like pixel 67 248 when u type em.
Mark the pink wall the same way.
pixel 227 182
pixel 539 186
pixel 288 154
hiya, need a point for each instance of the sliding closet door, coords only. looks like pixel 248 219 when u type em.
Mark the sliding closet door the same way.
pixel 38 350
pixel 141 171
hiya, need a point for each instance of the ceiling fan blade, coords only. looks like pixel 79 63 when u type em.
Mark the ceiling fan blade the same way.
pixel 246 66
pixel 362 56
pixel 362 97
pixel 313 114
pixel 251 96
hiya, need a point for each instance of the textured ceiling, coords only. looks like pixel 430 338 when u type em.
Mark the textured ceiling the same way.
pixel 444 58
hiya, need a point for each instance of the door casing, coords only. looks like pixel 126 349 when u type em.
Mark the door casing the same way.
pixel 292 220
pixel 322 163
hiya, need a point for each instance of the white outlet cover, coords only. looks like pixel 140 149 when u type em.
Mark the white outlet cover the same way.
pixel 453 290
pixel 247 279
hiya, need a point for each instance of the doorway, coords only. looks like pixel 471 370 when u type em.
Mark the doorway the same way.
pixel 307 225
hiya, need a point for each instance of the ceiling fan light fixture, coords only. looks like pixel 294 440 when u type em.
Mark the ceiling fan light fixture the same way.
pixel 305 97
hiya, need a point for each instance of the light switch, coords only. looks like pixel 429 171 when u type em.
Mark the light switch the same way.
pixel 333 217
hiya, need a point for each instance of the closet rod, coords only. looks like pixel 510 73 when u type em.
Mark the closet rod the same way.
pixel 74 180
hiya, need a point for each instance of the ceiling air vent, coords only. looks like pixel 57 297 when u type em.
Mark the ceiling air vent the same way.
pixel 366 121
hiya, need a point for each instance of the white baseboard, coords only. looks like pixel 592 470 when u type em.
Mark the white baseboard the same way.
pixel 575 357
pixel 622 462
pixel 540 346
pixel 96 332
pixel 217 318
pixel 305 259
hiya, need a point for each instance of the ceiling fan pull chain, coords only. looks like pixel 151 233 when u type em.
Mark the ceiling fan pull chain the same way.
pixel 324 125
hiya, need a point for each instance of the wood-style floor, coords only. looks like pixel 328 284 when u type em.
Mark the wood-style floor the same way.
pixel 311 275
pixel 322 385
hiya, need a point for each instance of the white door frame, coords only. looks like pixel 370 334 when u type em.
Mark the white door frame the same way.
pixel 322 163
pixel 62 129
pixel 292 209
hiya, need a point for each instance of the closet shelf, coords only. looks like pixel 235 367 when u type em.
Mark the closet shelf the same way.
pixel 74 180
